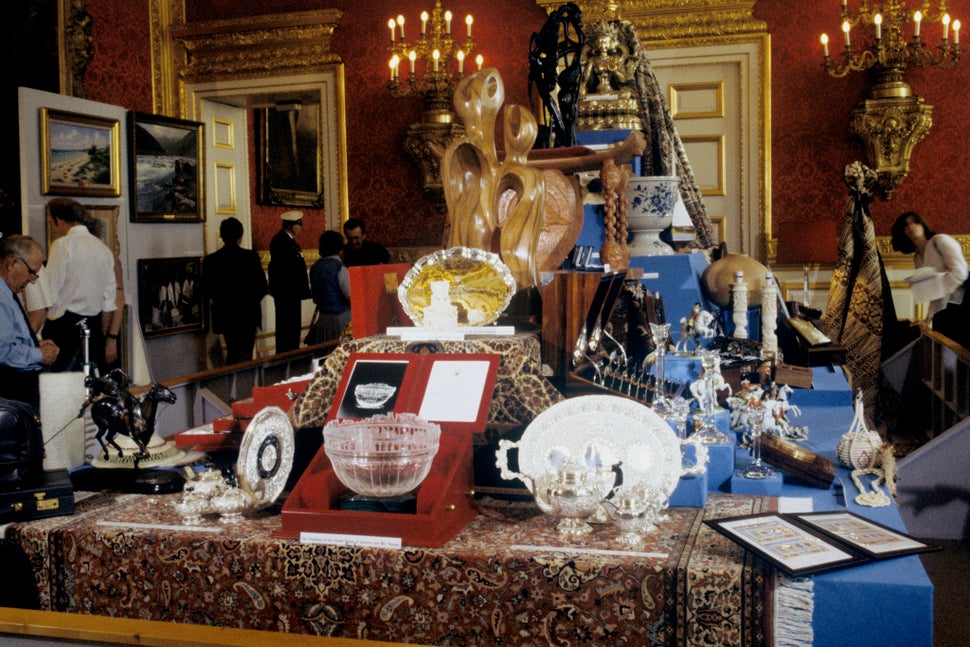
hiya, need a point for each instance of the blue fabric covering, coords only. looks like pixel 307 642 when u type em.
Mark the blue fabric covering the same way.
pixel 770 486
pixel 883 603
pixel 691 492
pixel 721 467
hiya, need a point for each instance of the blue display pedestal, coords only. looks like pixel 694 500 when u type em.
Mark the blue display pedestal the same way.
pixel 720 469
pixel 691 491
pixel 677 278
pixel 770 486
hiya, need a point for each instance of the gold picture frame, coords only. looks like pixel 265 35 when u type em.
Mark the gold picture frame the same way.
pixel 80 154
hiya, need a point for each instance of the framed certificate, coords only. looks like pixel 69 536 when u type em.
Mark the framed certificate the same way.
pixel 789 546
pixel 874 540
pixel 812 542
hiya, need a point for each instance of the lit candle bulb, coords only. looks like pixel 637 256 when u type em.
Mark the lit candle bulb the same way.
pixel 845 30
pixel 479 60
pixel 390 64
pixel 448 23
pixel 946 26
pixel 424 22
pixel 391 24
pixel 825 45
pixel 917 19
pixel 468 23
pixel 461 61
pixel 400 23
pixel 436 55
pixel 956 32
pixel 411 57
pixel 877 21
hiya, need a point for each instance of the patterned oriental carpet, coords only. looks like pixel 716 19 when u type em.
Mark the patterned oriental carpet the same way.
pixel 506 578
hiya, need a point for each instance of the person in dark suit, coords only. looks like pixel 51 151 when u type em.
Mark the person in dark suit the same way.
pixel 359 250
pixel 235 285
pixel 288 281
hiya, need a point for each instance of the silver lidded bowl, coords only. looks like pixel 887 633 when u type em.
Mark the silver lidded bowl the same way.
pixel 382 456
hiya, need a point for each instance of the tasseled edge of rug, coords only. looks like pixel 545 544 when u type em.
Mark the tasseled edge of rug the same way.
pixel 794 606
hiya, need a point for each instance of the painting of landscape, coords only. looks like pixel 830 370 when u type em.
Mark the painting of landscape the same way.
pixel 80 154
pixel 165 170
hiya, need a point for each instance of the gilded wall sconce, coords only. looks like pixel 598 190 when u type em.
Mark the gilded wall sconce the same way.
pixel 892 120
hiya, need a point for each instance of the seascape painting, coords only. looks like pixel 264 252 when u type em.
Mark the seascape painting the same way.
pixel 165 173
pixel 80 154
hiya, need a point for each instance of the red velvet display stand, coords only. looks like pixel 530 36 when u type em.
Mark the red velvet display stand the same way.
pixel 444 504
pixel 444 498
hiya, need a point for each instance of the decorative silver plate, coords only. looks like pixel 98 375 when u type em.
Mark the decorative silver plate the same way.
pixel 617 428
pixel 266 456
pixel 482 286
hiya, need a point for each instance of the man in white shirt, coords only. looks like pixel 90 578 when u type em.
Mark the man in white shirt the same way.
pixel 80 269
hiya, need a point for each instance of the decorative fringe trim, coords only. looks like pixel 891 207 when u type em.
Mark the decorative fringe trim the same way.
pixel 794 606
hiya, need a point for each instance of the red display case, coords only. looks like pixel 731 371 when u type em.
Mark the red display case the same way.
pixel 444 502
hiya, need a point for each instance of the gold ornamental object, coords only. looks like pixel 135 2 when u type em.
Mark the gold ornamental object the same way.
pixel 893 120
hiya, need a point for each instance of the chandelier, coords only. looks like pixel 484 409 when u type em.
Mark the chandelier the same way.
pixel 893 120
pixel 431 66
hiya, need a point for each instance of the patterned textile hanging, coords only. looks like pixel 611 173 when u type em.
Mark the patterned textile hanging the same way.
pixel 860 310
pixel 631 73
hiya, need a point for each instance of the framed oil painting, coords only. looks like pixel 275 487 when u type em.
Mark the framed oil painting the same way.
pixel 170 296
pixel 290 157
pixel 80 154
pixel 166 169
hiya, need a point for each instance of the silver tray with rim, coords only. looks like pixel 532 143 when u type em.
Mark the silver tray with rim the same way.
pixel 614 428
pixel 480 283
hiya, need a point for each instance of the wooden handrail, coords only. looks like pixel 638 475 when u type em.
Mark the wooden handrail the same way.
pixel 77 628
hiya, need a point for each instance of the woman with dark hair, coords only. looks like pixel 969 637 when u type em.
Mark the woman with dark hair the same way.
pixel 330 288
pixel 911 234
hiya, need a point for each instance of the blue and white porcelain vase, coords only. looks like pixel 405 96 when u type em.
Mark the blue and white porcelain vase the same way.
pixel 650 210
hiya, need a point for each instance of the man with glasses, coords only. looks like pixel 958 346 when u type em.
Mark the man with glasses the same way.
pixel 81 270
pixel 22 355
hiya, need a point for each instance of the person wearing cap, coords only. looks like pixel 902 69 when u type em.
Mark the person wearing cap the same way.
pixel 289 284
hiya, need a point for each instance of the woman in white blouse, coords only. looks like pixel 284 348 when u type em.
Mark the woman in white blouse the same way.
pixel 912 234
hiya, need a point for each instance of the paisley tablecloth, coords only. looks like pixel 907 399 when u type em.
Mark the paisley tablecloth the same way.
pixel 505 579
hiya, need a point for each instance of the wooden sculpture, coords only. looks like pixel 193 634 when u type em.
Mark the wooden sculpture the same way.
pixel 528 207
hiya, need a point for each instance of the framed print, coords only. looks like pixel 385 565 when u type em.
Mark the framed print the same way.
pixel 874 540
pixel 791 547
pixel 290 158
pixel 166 169
pixel 80 154
pixel 372 387
pixel 170 296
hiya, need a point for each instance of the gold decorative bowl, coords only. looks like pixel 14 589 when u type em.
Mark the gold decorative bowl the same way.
pixel 482 285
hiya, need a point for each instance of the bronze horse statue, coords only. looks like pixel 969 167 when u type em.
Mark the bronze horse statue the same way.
pixel 116 411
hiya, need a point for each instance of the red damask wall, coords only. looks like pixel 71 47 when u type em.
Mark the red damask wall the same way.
pixel 811 143
pixel 810 111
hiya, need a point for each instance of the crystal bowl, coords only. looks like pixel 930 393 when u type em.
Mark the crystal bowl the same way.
pixel 381 456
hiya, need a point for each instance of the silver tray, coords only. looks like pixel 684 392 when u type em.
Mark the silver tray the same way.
pixel 482 285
